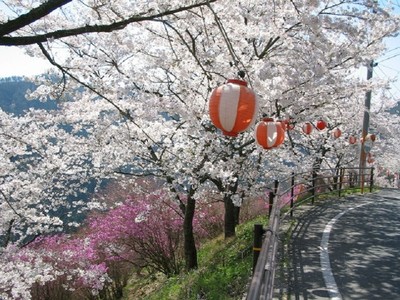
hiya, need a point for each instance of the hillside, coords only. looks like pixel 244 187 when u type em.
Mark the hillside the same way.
pixel 12 96
pixel 13 101
pixel 224 272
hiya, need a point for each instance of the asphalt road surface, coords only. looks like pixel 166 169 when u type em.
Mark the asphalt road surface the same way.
pixel 346 249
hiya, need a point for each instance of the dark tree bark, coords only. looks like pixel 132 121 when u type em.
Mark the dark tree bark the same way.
pixel 229 222
pixel 7 28
pixel 189 241
pixel 32 16
pixel 231 216
pixel 237 214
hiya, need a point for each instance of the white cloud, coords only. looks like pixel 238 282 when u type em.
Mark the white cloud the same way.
pixel 14 62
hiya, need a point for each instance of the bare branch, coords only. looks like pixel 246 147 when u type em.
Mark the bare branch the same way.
pixel 32 16
pixel 58 34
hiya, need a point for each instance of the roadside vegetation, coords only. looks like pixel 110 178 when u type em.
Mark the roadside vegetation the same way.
pixel 225 264
pixel 132 247
pixel 224 272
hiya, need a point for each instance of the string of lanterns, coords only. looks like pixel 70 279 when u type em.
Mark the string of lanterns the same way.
pixel 233 109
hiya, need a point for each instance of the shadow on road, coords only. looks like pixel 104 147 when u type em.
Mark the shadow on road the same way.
pixel 364 250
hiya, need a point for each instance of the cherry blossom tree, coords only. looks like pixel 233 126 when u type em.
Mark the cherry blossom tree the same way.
pixel 141 232
pixel 135 79
pixel 41 166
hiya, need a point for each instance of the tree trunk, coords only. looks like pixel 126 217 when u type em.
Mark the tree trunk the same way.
pixel 237 214
pixel 189 242
pixel 229 224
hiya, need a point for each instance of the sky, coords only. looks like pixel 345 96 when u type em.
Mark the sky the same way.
pixel 14 62
pixel 388 66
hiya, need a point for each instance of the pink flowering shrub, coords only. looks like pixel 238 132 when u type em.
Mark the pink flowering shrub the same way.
pixel 285 199
pixel 52 267
pixel 144 232
pixel 76 264
pixel 21 269
pixel 253 207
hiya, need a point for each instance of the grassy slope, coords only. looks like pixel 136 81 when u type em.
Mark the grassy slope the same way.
pixel 223 273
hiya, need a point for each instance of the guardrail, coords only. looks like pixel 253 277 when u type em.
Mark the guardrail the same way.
pixel 288 194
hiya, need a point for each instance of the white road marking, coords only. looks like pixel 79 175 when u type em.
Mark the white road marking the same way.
pixel 330 282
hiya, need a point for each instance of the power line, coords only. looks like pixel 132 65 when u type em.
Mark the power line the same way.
pixel 392 85
pixel 390 68
pixel 393 49
pixel 393 56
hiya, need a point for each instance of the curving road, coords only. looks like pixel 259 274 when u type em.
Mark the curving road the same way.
pixel 346 249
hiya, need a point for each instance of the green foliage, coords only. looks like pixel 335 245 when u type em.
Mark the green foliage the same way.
pixel 225 270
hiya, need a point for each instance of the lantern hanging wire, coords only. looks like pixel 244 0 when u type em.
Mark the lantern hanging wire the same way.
pixel 235 57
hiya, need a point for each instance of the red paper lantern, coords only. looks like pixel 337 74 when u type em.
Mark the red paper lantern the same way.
pixel 336 133
pixel 269 134
pixel 352 140
pixel 287 124
pixel 368 142
pixel 321 124
pixel 372 137
pixel 233 107
pixel 307 128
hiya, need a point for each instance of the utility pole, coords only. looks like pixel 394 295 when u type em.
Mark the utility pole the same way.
pixel 365 128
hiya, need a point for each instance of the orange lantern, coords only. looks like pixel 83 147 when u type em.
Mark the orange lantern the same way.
pixel 288 124
pixel 368 142
pixel 352 139
pixel 307 128
pixel 269 134
pixel 321 124
pixel 372 137
pixel 233 107
pixel 336 133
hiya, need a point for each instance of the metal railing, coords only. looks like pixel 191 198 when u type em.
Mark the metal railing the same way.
pixel 287 194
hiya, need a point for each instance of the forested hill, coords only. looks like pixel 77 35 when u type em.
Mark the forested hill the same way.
pixel 396 109
pixel 12 96
pixel 13 90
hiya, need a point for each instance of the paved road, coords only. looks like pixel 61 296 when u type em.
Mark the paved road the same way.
pixel 347 249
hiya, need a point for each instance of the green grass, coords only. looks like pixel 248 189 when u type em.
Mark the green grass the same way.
pixel 320 197
pixel 224 270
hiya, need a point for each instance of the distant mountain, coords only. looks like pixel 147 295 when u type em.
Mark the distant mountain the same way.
pixel 12 96
pixel 395 110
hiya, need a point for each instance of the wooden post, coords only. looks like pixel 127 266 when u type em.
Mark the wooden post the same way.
pixel 276 183
pixel 257 243
pixel 371 183
pixel 341 175
pixel 272 195
pixel 271 203
pixel 314 183
pixel 292 196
